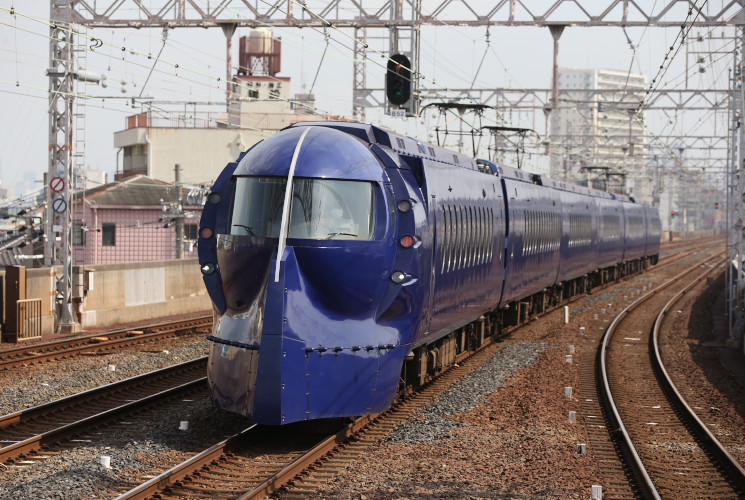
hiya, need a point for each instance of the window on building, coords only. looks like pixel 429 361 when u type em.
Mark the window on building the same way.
pixel 190 231
pixel 109 235
pixel 78 233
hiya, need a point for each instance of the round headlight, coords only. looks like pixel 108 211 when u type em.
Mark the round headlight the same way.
pixel 209 268
pixel 407 241
pixel 214 198
pixel 404 205
pixel 398 277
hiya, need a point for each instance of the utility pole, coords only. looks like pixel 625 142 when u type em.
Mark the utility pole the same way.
pixel 179 214
pixel 60 175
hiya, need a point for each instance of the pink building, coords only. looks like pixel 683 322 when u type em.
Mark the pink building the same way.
pixel 132 221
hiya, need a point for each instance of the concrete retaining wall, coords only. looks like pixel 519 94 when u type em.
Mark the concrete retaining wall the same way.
pixel 689 235
pixel 108 294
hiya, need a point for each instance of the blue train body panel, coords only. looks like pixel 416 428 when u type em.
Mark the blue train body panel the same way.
pixel 635 231
pixel 579 237
pixel 534 239
pixel 332 250
pixel 610 232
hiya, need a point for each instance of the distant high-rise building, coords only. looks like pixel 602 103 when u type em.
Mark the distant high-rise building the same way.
pixel 596 134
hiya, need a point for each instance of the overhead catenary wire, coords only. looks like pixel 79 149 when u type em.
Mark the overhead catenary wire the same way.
pixel 685 28
pixel 176 66
pixel 200 83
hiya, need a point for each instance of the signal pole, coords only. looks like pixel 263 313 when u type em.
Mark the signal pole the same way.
pixel 61 140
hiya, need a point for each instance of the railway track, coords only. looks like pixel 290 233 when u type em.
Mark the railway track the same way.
pixel 666 450
pixel 102 343
pixel 246 467
pixel 25 433
pixel 241 468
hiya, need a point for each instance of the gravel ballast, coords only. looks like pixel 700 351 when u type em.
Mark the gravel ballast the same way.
pixel 136 449
pixel 434 424
pixel 37 384
pixel 500 432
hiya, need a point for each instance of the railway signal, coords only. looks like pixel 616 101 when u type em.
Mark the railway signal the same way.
pixel 398 80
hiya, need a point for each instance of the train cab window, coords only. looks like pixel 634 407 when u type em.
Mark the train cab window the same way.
pixel 321 209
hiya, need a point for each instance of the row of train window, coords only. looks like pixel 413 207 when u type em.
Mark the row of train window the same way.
pixel 611 228
pixel 636 227
pixel 542 232
pixel 580 230
pixel 467 237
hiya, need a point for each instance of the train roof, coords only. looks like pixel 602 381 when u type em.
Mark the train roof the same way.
pixel 401 144
pixel 409 146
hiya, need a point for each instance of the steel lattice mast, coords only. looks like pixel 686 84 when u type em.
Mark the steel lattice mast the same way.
pixel 61 143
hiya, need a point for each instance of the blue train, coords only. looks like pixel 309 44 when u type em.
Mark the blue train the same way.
pixel 346 262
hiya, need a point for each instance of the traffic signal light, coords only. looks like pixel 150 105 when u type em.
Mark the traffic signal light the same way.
pixel 673 214
pixel 716 206
pixel 398 80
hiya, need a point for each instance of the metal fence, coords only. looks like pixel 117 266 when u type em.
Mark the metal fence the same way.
pixel 28 314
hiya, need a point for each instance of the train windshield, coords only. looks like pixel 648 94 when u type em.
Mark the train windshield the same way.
pixel 321 209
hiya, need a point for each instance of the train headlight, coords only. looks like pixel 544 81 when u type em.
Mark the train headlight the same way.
pixel 214 198
pixel 206 233
pixel 398 277
pixel 404 205
pixel 209 268
pixel 407 241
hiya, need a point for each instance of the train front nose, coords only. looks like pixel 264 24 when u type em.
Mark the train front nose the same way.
pixel 299 337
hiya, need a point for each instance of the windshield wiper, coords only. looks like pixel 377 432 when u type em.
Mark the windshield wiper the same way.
pixel 249 229
pixel 331 235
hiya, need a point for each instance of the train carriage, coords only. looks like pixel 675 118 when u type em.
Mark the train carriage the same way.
pixel 533 234
pixel 610 235
pixel 635 231
pixel 579 238
pixel 343 259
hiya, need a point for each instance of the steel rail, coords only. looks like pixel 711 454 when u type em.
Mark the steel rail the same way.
pixel 33 412
pixel 66 348
pixel 288 473
pixel 184 469
pixel 645 483
pixel 39 441
pixel 729 463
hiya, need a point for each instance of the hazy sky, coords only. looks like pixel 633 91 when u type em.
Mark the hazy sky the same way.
pixel 515 58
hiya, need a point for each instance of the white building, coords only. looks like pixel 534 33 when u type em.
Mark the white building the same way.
pixel 203 141
pixel 596 136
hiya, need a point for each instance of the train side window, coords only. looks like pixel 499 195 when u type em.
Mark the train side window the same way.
pixel 491 232
pixel 464 237
pixel 467 253
pixel 444 243
pixel 571 231
pixel 457 235
pixel 471 234
pixel 449 249
pixel 462 241
pixel 484 232
pixel 481 235
pixel 540 229
pixel 474 234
